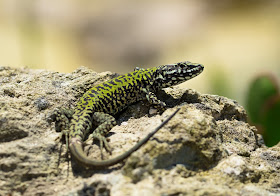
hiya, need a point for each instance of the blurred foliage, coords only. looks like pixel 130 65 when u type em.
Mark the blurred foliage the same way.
pixel 263 106
pixel 260 91
pixel 271 122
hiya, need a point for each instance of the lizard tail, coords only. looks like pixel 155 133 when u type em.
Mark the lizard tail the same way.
pixel 77 151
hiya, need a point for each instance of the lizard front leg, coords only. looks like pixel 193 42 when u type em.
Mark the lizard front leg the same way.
pixel 61 117
pixel 152 99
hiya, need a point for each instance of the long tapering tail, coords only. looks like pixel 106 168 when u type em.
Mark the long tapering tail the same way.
pixel 77 151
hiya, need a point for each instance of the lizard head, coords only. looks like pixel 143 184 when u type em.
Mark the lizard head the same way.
pixel 172 74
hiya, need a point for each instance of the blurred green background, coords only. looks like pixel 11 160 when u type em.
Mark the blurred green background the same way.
pixel 235 40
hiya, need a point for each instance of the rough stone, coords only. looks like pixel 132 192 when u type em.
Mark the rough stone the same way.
pixel 208 148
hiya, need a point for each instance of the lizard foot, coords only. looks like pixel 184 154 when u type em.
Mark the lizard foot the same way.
pixel 102 142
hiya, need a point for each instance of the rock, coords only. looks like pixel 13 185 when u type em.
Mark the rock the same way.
pixel 208 148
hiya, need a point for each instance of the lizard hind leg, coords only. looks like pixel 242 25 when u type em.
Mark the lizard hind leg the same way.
pixel 105 122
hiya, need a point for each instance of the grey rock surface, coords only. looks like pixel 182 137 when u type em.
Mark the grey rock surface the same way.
pixel 208 148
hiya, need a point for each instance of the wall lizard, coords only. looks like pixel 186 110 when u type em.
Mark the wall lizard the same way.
pixel 100 103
